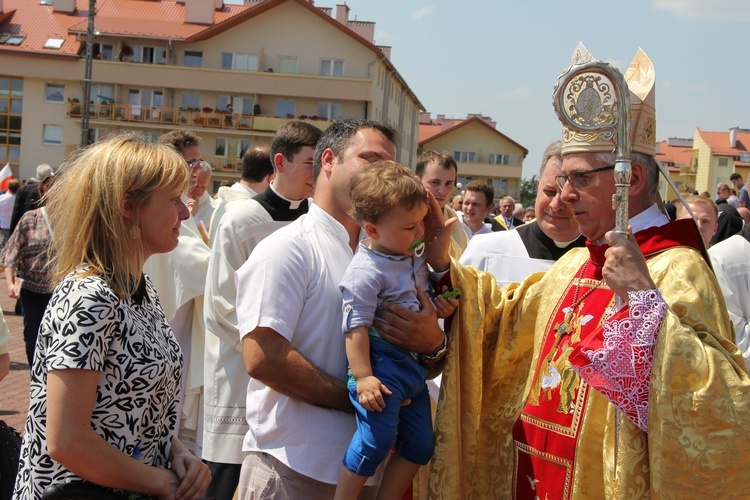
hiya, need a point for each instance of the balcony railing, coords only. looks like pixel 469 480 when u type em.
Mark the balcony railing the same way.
pixel 194 118
pixel 218 163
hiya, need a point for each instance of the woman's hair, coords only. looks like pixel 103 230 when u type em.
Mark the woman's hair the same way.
pixel 85 207
pixel 383 186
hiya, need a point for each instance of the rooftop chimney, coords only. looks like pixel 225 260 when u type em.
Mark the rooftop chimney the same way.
pixel 1 6
pixel 64 6
pixel 199 11
pixel 218 4
pixel 440 119
pixel 342 14
pixel 733 137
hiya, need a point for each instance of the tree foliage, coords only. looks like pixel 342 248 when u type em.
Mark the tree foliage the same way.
pixel 528 191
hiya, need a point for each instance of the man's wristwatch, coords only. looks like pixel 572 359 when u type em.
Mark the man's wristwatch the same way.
pixel 438 353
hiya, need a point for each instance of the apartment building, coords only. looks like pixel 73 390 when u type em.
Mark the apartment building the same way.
pixel 717 155
pixel 481 151
pixel 232 73
pixel 676 155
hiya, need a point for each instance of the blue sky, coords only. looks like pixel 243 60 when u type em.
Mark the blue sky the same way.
pixel 502 57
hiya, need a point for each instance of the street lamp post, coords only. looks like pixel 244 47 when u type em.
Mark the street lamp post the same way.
pixel 87 75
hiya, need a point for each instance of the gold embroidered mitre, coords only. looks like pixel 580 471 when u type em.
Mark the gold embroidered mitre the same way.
pixel 640 79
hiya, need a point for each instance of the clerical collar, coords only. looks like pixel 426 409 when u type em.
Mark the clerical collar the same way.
pixel 293 204
pixel 280 208
pixel 565 244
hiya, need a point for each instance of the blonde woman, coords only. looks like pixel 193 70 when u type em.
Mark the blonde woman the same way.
pixel 105 380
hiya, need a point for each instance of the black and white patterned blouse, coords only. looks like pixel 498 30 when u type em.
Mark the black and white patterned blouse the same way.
pixel 87 326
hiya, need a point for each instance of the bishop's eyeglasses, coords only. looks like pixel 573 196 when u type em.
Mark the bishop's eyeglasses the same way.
pixel 579 179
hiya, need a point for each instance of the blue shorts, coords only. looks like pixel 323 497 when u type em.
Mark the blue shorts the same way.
pixel 408 429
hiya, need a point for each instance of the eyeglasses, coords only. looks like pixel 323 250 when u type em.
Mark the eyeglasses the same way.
pixel 194 163
pixel 578 179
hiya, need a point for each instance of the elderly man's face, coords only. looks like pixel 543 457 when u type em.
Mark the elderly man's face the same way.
pixel 555 217
pixel 506 208
pixel 591 203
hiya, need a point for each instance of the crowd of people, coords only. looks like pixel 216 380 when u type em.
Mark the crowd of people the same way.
pixel 276 340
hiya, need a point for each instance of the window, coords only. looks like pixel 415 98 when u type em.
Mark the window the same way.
pixel 104 51
pixel 499 159
pixel 150 55
pixel 463 181
pixel 332 67
pixel 53 135
pixel 500 186
pixel 464 156
pixel 287 64
pixel 190 100
pixel 102 93
pixel 53 43
pixel 55 92
pixel 193 58
pixel 284 107
pixel 146 97
pixel 723 162
pixel 241 62
pixel 231 147
pixel 330 110
pixel 11 101
pixel 240 104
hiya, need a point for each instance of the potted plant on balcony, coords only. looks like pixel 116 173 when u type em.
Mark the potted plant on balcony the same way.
pixel 75 109
pixel 198 119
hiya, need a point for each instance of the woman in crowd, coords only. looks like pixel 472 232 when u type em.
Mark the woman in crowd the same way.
pixel 105 381
pixel 26 262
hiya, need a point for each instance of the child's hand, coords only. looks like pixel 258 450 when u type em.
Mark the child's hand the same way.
pixel 445 307
pixel 370 391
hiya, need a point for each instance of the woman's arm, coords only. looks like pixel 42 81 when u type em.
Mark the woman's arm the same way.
pixel 10 281
pixel 71 395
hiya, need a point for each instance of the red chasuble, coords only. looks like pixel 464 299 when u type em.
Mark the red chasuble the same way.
pixel 546 433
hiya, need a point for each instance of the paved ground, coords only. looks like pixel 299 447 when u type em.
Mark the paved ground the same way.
pixel 14 389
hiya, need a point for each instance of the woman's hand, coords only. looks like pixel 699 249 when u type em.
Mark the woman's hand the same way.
pixel 193 475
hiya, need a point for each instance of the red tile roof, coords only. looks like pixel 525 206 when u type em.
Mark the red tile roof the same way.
pixel 433 133
pixel 162 19
pixel 720 144
pixel 674 155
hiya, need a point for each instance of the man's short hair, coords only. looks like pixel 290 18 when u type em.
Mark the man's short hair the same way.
pixel 339 134
pixel 442 158
pixel 698 200
pixel 256 164
pixel 482 187
pixel 13 186
pixel 505 198
pixel 180 139
pixel 292 137
pixel 648 162
pixel 735 176
pixel 382 187
pixel 554 150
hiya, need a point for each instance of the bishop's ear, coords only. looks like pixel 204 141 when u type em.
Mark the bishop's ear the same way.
pixel 638 179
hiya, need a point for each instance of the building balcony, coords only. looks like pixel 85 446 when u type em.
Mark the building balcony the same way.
pixel 194 118
pixel 688 170
pixel 218 163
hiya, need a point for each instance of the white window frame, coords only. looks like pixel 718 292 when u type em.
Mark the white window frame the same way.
pixel 465 156
pixel 332 64
pixel 330 110
pixel 240 104
pixel 50 134
pixel 289 58
pixel 240 61
pixel 107 50
pixel 59 86
pixel 232 144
